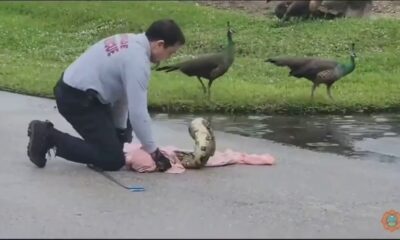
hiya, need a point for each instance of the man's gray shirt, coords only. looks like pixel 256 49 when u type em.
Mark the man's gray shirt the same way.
pixel 118 68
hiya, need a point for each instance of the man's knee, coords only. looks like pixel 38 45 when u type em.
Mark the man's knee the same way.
pixel 112 161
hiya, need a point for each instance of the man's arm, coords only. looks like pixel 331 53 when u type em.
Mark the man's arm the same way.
pixel 136 74
pixel 135 77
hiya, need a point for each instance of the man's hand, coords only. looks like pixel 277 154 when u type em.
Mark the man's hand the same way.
pixel 162 162
pixel 124 135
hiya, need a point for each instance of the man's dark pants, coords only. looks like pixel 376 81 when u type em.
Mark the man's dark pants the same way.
pixel 102 145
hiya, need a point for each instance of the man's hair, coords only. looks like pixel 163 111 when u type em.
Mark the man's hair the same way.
pixel 167 30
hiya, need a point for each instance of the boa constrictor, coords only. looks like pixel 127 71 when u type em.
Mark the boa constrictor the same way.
pixel 202 133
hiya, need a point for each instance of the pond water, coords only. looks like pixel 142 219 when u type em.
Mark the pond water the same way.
pixel 373 137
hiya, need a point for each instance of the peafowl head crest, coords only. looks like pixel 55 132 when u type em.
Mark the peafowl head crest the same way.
pixel 230 31
pixel 349 67
pixel 352 51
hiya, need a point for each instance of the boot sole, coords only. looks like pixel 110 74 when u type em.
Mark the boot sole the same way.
pixel 31 134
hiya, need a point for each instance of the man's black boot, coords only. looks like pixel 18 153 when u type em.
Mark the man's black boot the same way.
pixel 39 141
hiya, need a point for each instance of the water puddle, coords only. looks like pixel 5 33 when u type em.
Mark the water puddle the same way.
pixel 375 137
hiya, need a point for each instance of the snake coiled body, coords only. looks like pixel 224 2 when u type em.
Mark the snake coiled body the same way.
pixel 201 131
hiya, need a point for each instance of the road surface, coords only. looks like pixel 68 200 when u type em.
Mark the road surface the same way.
pixel 306 194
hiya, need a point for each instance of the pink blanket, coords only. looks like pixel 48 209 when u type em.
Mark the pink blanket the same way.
pixel 140 161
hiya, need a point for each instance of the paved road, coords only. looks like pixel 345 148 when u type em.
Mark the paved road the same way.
pixel 307 194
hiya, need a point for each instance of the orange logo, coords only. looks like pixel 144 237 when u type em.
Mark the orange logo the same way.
pixel 391 220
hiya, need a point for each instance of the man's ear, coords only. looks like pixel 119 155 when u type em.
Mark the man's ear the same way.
pixel 160 43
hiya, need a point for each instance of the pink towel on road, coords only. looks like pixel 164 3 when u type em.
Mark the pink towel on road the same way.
pixel 140 161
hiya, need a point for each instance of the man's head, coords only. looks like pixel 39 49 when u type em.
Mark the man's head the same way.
pixel 165 37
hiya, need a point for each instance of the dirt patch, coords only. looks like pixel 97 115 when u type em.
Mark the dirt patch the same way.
pixel 253 7
pixel 389 8
pixel 386 8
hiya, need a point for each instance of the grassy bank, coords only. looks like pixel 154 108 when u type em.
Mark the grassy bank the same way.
pixel 39 39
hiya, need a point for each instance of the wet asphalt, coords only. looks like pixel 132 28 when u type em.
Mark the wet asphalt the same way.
pixel 306 194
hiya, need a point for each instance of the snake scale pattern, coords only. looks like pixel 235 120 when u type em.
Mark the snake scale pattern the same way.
pixel 201 132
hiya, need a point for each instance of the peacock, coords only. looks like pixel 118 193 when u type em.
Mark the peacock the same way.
pixel 209 66
pixel 319 71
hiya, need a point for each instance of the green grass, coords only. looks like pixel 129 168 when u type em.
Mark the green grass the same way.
pixel 38 40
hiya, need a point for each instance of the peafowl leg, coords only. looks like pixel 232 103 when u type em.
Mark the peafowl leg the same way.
pixel 209 89
pixel 312 91
pixel 202 84
pixel 328 88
